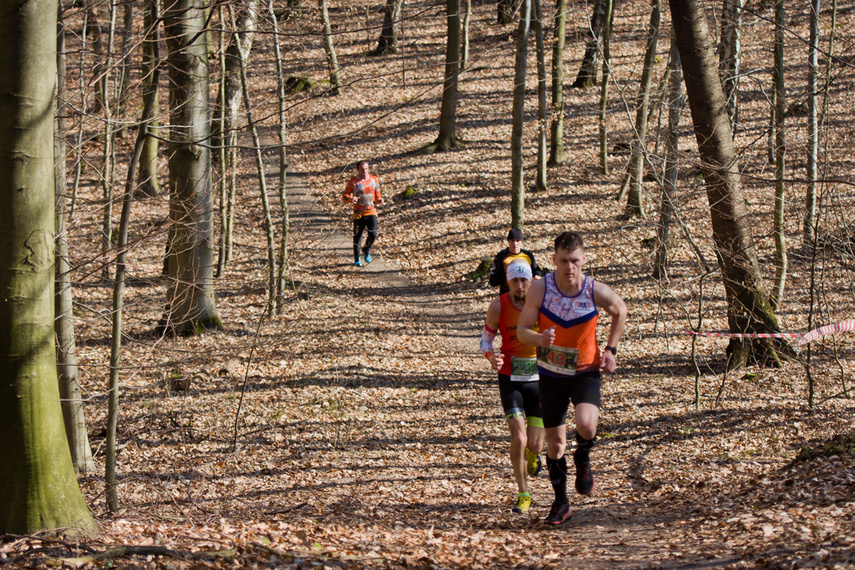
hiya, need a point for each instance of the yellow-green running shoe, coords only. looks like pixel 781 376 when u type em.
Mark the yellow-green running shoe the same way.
pixel 533 463
pixel 523 504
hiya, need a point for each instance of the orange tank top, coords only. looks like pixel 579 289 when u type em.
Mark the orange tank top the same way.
pixel 575 320
pixel 511 345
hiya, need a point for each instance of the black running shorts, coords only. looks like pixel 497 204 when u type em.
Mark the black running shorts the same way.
pixel 519 398
pixel 556 393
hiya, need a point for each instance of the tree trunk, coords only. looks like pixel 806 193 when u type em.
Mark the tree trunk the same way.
pixel 447 138
pixel 329 49
pixel 730 57
pixel 283 168
pixel 464 49
pixel 262 186
pixel 780 154
pixel 505 14
pixel 190 263
pixel 809 232
pixel 388 42
pixel 109 139
pixel 557 156
pixel 38 487
pixel 148 183
pixel 587 75
pixel 635 170
pixel 518 115
pixel 542 109
pixel 749 309
pixel 66 358
pixel 229 97
pixel 669 184
pixel 148 114
pixel 604 89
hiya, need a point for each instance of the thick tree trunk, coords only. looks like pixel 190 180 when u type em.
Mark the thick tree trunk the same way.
pixel 518 119
pixel 587 76
pixel 749 309
pixel 190 260
pixel 447 138
pixel 388 42
pixel 557 156
pixel 66 357
pixel 38 486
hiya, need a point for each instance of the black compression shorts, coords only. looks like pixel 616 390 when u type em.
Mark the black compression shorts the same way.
pixel 556 393
pixel 519 398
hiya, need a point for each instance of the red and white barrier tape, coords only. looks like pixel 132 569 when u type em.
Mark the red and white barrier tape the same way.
pixel 803 338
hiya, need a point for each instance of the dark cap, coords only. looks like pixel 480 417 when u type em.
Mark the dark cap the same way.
pixel 515 234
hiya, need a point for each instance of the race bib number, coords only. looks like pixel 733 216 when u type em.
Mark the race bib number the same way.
pixel 523 369
pixel 557 359
pixel 366 199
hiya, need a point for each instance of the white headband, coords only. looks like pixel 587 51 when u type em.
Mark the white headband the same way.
pixel 519 269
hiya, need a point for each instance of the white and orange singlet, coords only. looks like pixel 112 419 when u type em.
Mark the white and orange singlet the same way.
pixel 575 347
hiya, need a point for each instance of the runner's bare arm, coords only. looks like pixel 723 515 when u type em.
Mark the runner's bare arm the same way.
pixel 529 316
pixel 490 328
pixel 610 302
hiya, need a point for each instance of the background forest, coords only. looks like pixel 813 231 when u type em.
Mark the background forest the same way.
pixel 331 416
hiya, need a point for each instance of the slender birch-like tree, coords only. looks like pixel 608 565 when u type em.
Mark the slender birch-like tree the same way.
pixel 518 118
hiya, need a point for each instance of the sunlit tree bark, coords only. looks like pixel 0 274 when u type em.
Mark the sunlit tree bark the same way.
pixel 329 49
pixel 447 138
pixel 730 58
pixel 190 258
pixel 388 42
pixel 38 486
pixel 749 309
pixel 557 155
pixel 518 118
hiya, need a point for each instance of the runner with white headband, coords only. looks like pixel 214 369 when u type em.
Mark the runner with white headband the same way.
pixel 518 389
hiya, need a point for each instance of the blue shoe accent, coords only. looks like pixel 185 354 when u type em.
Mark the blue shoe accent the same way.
pixel 357 263
pixel 367 258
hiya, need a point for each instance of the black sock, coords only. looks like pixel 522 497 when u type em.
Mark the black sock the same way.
pixel 583 448
pixel 558 476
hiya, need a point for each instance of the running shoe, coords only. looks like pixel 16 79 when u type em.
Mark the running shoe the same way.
pixel 523 504
pixel 533 463
pixel 584 478
pixel 367 258
pixel 558 513
pixel 357 263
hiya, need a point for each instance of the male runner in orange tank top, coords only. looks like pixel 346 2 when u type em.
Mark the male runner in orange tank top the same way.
pixel 518 389
pixel 565 307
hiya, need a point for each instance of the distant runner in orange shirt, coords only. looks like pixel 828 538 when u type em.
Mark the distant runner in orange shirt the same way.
pixel 564 308
pixel 363 191
pixel 517 379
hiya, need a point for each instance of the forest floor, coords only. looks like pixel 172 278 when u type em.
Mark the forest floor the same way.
pixel 362 428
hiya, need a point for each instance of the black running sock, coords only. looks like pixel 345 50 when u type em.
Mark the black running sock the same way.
pixel 558 476
pixel 583 448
